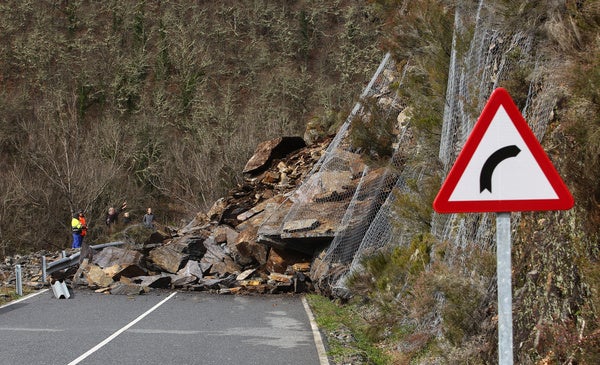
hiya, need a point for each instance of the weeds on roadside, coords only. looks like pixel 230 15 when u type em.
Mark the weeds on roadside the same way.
pixel 8 294
pixel 346 332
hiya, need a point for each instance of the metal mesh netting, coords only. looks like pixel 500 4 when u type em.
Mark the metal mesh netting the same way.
pixel 342 192
pixel 493 56
pixel 360 215
pixel 333 158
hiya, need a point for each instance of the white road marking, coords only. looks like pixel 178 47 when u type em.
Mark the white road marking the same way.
pixel 30 329
pixel 165 332
pixel 114 335
pixel 316 334
pixel 24 298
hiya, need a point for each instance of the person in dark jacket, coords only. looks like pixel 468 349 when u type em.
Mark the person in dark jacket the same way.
pixel 148 219
pixel 126 218
pixel 112 217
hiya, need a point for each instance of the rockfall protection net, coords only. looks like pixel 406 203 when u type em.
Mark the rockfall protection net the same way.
pixel 364 220
pixel 344 194
pixel 493 56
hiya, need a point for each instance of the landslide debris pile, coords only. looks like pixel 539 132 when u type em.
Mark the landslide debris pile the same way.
pixel 276 232
pixel 217 251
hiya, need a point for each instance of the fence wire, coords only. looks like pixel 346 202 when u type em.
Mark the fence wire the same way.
pixel 365 215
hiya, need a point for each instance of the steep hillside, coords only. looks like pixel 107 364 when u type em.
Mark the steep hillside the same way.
pixel 423 287
pixel 160 103
pixel 434 294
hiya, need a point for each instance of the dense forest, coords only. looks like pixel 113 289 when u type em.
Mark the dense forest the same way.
pixel 160 103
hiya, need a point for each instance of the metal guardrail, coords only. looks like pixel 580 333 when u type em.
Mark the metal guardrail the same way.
pixel 60 290
pixel 72 260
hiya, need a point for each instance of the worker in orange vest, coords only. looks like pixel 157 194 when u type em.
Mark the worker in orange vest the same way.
pixel 81 218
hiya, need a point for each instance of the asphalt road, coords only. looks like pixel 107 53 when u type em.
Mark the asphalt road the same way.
pixel 158 328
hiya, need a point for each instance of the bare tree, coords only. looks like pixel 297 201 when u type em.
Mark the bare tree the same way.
pixel 67 160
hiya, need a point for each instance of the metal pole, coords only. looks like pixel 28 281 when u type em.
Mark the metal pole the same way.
pixel 504 276
pixel 44 269
pixel 19 280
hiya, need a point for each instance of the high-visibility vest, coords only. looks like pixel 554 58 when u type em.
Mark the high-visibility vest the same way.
pixel 76 225
pixel 83 229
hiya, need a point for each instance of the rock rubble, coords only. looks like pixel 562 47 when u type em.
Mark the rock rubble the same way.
pixel 217 251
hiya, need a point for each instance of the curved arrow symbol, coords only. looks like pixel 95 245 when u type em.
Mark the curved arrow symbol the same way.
pixel 485 178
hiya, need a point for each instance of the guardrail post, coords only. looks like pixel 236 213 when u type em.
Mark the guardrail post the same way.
pixel 44 269
pixel 19 283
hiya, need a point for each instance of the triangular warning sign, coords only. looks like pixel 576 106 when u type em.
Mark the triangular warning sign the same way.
pixel 502 167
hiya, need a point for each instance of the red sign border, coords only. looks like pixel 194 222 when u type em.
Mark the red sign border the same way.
pixel 442 203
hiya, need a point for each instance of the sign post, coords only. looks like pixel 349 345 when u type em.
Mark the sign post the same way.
pixel 503 262
pixel 502 168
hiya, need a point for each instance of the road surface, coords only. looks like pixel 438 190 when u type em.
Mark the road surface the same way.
pixel 162 327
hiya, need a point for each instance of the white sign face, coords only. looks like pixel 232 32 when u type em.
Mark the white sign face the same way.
pixel 515 177
pixel 502 167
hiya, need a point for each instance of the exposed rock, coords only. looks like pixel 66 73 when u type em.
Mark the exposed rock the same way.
pixel 191 268
pixel 96 277
pixel 267 151
pixel 300 225
pixel 337 181
pixel 156 237
pixel 254 210
pixel 271 227
pixel 216 260
pixel 270 210
pixel 247 246
pixel 214 252
pixel 241 240
pixel 200 222
pixel 168 258
pixel 271 177
pixel 301 267
pixel 216 283
pixel 120 288
pixel 112 270
pixel 281 278
pixel 262 237
pixel 224 234
pixel 279 260
pixel 224 268
pixel 154 281
pixel 178 281
pixel 110 256
pixel 216 211
pixel 193 245
pixel 129 271
pixel 244 275
pixel 280 282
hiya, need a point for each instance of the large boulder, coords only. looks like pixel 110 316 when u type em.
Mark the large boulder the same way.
pixel 267 151
pixel 168 258
pixel 248 247
pixel 110 256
